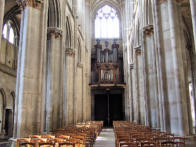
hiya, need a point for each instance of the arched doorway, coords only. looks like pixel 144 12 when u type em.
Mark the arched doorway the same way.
pixel 108 106
pixel 2 110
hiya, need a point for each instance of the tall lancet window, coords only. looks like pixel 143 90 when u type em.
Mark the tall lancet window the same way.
pixel 107 23
pixel 8 32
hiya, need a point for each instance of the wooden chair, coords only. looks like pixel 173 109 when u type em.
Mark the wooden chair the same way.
pixel 129 144
pixel 24 142
pixel 148 144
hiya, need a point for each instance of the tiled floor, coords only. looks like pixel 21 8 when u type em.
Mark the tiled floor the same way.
pixel 105 139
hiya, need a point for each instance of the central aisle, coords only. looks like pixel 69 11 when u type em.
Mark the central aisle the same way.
pixel 105 139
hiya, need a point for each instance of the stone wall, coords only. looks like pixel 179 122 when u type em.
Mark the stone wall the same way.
pixel 52 84
pixel 155 54
pixel 7 88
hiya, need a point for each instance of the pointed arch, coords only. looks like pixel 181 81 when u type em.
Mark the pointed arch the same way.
pixel 2 92
pixel 137 33
pixel 54 13
pixel 2 108
pixel 100 4
pixel 12 15
pixel 68 43
pixel 79 51
pixel 13 98
pixel 107 24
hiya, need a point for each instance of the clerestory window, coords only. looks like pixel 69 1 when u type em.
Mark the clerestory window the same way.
pixel 107 23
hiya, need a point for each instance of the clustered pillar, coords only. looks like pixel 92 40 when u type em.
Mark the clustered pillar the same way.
pixel 69 82
pixel 53 82
pixel 193 12
pixel 159 95
pixel 2 6
pixel 29 91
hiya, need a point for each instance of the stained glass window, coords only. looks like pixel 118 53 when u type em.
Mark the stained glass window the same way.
pixel 107 23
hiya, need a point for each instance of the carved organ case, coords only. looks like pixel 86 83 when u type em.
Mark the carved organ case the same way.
pixel 106 65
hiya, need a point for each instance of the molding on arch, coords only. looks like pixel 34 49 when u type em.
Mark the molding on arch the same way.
pixel 11 15
pixel 79 47
pixel 4 97
pixel 13 94
pixel 98 4
pixel 54 13
pixel 69 31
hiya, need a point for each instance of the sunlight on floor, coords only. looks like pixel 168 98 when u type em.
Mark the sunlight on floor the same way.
pixel 106 138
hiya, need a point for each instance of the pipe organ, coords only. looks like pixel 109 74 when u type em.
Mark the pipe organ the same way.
pixel 106 66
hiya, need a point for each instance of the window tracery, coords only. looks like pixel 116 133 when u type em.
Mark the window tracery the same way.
pixel 107 23
pixel 8 52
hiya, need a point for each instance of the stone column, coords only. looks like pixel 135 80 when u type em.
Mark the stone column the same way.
pixel 69 85
pixel 193 12
pixel 177 95
pixel 140 85
pixel 159 68
pixel 147 11
pixel 30 72
pixel 53 84
pixel 134 99
pixel 171 64
pixel 2 6
pixel 88 89
pixel 79 94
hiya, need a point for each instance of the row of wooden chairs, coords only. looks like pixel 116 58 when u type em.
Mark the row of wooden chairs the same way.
pixel 80 135
pixel 130 134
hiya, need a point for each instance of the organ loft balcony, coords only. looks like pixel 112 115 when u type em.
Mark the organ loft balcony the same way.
pixel 107 66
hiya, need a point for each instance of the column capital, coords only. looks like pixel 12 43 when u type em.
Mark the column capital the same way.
pixel 138 50
pixel 31 3
pixel 54 32
pixel 70 52
pixel 148 29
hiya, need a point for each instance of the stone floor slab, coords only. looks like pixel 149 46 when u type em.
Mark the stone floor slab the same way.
pixel 105 139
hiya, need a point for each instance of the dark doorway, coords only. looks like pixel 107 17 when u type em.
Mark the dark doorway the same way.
pixel 9 123
pixel 108 108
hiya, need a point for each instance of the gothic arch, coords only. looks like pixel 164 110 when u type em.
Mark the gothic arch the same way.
pixel 2 109
pixel 190 70
pixel 187 35
pixel 137 33
pixel 2 92
pixel 68 42
pixel 12 19
pixel 11 15
pixel 54 13
pixel 13 98
pixel 100 4
pixel 79 51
